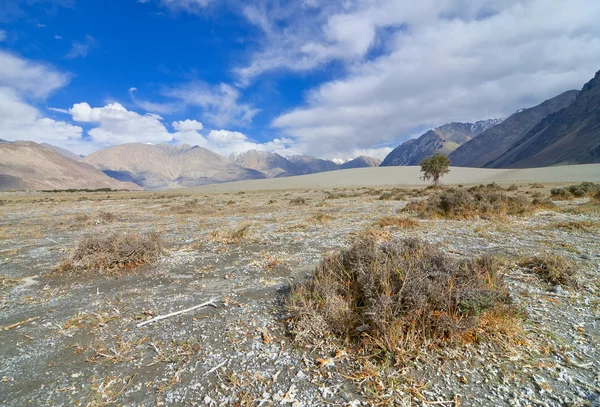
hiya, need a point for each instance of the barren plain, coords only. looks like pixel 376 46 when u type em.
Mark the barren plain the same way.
pixel 72 339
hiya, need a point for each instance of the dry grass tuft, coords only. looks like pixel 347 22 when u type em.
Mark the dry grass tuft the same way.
pixel 553 269
pixel 582 225
pixel 393 299
pixel 298 201
pixel 101 218
pixel 234 236
pixel 112 254
pixel 321 218
pixel 478 202
pixel 398 221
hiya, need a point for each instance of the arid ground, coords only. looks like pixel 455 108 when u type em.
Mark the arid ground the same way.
pixel 71 338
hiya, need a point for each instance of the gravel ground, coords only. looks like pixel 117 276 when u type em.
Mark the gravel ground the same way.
pixel 73 340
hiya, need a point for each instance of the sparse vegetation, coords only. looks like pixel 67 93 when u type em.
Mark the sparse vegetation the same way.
pixel 298 201
pixel 560 194
pixel 477 202
pixel 398 221
pixel 112 254
pixel 231 237
pixel 434 167
pixel 392 299
pixel 584 189
pixel 553 269
pixel 583 225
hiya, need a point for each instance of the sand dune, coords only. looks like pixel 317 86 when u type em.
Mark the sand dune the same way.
pixel 409 176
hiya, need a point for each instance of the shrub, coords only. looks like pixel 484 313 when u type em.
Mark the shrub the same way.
pixel 112 254
pixel 231 237
pixel 477 202
pixel 298 201
pixel 584 189
pixel 394 298
pixel 560 193
pixel 553 269
pixel 513 187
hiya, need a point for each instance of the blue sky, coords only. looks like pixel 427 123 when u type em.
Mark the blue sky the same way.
pixel 330 79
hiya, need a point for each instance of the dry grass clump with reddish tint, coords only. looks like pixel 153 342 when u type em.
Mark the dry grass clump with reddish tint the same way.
pixel 397 298
pixel 112 254
pixel 398 221
pixel 553 269
pixel 477 202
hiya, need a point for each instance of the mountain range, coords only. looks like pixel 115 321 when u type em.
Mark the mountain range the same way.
pixel 443 139
pixel 562 130
pixel 26 165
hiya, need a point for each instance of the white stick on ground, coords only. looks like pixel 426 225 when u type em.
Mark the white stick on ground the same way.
pixel 211 302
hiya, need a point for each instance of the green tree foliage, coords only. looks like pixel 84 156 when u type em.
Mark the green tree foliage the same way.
pixel 434 167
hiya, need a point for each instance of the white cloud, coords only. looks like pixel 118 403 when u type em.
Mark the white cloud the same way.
pixel 162 108
pixel 57 37
pixel 452 60
pixel 33 79
pixel 191 6
pixel 21 121
pixel 81 49
pixel 220 104
pixel 20 80
pixel 187 125
pixel 2 35
pixel 117 125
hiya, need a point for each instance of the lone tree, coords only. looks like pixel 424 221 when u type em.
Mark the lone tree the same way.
pixel 434 167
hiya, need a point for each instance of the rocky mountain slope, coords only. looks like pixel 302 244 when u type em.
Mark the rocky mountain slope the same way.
pixel 444 139
pixel 305 164
pixel 271 164
pixel 360 162
pixel 569 136
pixel 63 151
pixel 495 141
pixel 165 166
pixel 27 165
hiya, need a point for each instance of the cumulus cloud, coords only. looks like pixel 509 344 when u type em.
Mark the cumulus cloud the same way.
pixel 187 125
pixel 437 62
pixel 116 125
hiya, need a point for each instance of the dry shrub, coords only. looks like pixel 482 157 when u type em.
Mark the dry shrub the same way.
pixel 398 221
pixel 397 297
pixel 230 237
pixel 536 186
pixel 112 254
pixel 583 225
pixel 560 194
pixel 101 218
pixel 553 269
pixel 298 201
pixel 477 202
pixel 584 189
pixel 188 207
pixel 321 218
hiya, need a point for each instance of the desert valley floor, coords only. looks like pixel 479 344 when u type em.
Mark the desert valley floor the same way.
pixel 71 339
